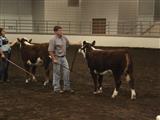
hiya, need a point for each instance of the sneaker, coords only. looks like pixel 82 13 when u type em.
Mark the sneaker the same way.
pixel 71 91
pixel 58 91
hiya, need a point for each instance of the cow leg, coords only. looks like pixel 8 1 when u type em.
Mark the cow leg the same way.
pixel 100 79
pixel 46 77
pixel 27 68
pixel 34 72
pixel 118 83
pixel 46 67
pixel 130 79
pixel 94 76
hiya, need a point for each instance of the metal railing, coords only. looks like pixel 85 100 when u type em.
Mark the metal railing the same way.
pixel 120 28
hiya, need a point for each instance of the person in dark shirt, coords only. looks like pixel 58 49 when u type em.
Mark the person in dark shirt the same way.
pixel 5 52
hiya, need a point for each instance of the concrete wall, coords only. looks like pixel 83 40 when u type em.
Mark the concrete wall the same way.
pixel 88 9
pixel 139 42
pixel 58 10
pixel 146 10
pixel 100 9
pixel 38 15
pixel 145 14
pixel 146 7
pixel 127 16
pixel 157 10
pixel 16 9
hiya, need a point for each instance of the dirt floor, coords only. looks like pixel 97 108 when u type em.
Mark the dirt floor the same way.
pixel 33 101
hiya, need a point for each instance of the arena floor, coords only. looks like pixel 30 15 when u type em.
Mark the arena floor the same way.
pixel 33 101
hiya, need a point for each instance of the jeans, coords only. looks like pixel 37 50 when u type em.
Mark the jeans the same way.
pixel 4 64
pixel 58 69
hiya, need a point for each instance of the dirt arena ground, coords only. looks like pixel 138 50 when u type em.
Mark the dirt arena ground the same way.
pixel 20 101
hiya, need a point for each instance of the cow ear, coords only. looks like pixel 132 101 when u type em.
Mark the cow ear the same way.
pixel 93 43
pixel 84 42
pixel 18 39
pixel 30 41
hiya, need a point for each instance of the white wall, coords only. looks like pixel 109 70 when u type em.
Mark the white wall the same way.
pixel 58 10
pixel 38 15
pixel 13 10
pixel 16 9
pixel 145 14
pixel 37 9
pixel 139 42
pixel 100 9
pixel 146 7
pixel 127 17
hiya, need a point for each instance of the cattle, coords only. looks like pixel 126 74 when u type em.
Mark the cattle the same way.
pixel 33 55
pixel 118 61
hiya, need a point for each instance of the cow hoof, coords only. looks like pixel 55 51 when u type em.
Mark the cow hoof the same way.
pixel 27 81
pixel 99 91
pixel 34 78
pixel 95 92
pixel 46 82
pixel 115 93
pixel 113 96
pixel 158 117
pixel 133 94
pixel 133 97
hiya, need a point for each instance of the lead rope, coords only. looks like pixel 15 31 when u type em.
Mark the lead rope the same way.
pixel 74 58
pixel 20 68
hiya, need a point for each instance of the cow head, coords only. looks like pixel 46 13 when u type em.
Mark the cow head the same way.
pixel 24 41
pixel 87 47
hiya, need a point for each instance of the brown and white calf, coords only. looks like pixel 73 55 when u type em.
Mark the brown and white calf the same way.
pixel 100 61
pixel 33 55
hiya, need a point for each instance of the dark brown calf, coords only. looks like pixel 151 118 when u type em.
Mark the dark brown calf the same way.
pixel 100 61
pixel 33 55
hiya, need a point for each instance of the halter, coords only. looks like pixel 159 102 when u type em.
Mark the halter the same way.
pixel 82 48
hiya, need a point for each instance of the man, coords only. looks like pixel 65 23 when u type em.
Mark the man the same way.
pixel 57 50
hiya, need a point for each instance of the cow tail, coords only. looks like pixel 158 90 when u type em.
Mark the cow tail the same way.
pixel 126 70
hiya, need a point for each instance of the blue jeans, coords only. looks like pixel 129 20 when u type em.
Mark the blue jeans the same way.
pixel 59 68
pixel 4 66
